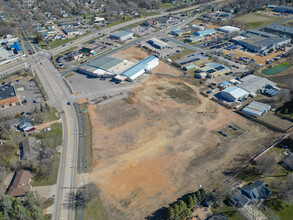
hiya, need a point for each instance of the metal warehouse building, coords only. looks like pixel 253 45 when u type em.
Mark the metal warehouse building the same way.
pixel 99 67
pixel 259 41
pixel 194 39
pixel 205 32
pixel 122 35
pixel 228 29
pixel 280 29
pixel 233 94
pixel 256 109
pixel 194 58
pixel 157 43
pixel 252 83
pixel 139 68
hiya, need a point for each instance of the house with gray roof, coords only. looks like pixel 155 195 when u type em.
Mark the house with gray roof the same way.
pixel 25 124
pixel 287 162
pixel 28 148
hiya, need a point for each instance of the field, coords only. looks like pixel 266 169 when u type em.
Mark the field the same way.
pixel 276 69
pixel 149 147
pixel 256 20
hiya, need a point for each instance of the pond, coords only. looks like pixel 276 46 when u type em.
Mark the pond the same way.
pixel 276 69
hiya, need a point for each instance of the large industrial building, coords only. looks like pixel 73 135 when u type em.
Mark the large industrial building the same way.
pixel 259 41
pixel 256 109
pixel 205 32
pixel 228 29
pixel 254 84
pixel 193 39
pixel 194 58
pixel 282 9
pixel 250 85
pixel 143 66
pixel 280 29
pixel 158 43
pixel 122 35
pixel 8 95
pixel 110 67
pixel 214 69
pixel 234 94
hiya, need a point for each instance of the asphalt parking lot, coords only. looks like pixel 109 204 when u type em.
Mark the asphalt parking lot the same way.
pixel 30 93
pixel 93 88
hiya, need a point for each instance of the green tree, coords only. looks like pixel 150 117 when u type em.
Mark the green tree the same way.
pixel 41 107
pixel 188 212
pixel 198 195
pixel 182 206
pixel 189 202
pixel 171 213
pixel 176 209
pixel 202 193
pixel 194 199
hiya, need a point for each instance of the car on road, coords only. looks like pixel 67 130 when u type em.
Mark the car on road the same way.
pixel 68 103
pixel 63 45
pixel 30 52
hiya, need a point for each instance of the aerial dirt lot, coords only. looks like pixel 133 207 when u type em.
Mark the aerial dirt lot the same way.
pixel 160 143
pixel 258 59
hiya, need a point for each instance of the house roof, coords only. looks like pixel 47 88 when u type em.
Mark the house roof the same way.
pixel 288 162
pixel 237 197
pixel 258 190
pixel 20 184
pixel 27 145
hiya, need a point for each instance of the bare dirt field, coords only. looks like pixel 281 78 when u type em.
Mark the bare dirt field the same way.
pixel 154 146
pixel 258 59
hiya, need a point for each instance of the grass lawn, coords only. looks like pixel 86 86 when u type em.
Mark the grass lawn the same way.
pixel 276 69
pixel 150 13
pixel 52 138
pixel 57 43
pixel 256 20
pixel 228 211
pixel 53 115
pixel 69 75
pixel 88 137
pixel 96 38
pixel 94 210
pixel 129 26
pixel 52 178
pixel 166 5
pixel 180 55
pixel 126 18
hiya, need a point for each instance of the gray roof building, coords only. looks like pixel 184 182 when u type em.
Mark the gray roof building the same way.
pixel 237 199
pixel 279 29
pixel 287 163
pixel 25 124
pixel 27 148
pixel 7 91
pixel 252 83
pixel 104 62
pixel 256 191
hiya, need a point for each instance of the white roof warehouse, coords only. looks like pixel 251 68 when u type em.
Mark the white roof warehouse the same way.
pixel 256 109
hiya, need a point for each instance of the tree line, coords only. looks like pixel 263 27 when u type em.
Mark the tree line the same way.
pixel 182 208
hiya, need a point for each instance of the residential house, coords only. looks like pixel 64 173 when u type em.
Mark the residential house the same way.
pixel 21 183
pixel 27 148
pixel 25 124
pixel 287 162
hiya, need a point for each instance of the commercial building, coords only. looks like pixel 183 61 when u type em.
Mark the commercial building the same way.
pixel 179 32
pixel 194 39
pixel 158 43
pixel 194 58
pixel 253 84
pixel 256 109
pixel 8 95
pixel 189 67
pixel 228 29
pixel 122 35
pixel 205 32
pixel 99 67
pixel 164 19
pixel 145 65
pixel 15 46
pixel 281 9
pixel 214 69
pixel 279 29
pixel 21 183
pixel 233 94
pixel 71 31
pixel 259 41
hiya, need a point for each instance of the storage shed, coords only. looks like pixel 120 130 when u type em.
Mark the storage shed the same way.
pixel 256 109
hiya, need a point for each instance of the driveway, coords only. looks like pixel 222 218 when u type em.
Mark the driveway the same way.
pixel 251 212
